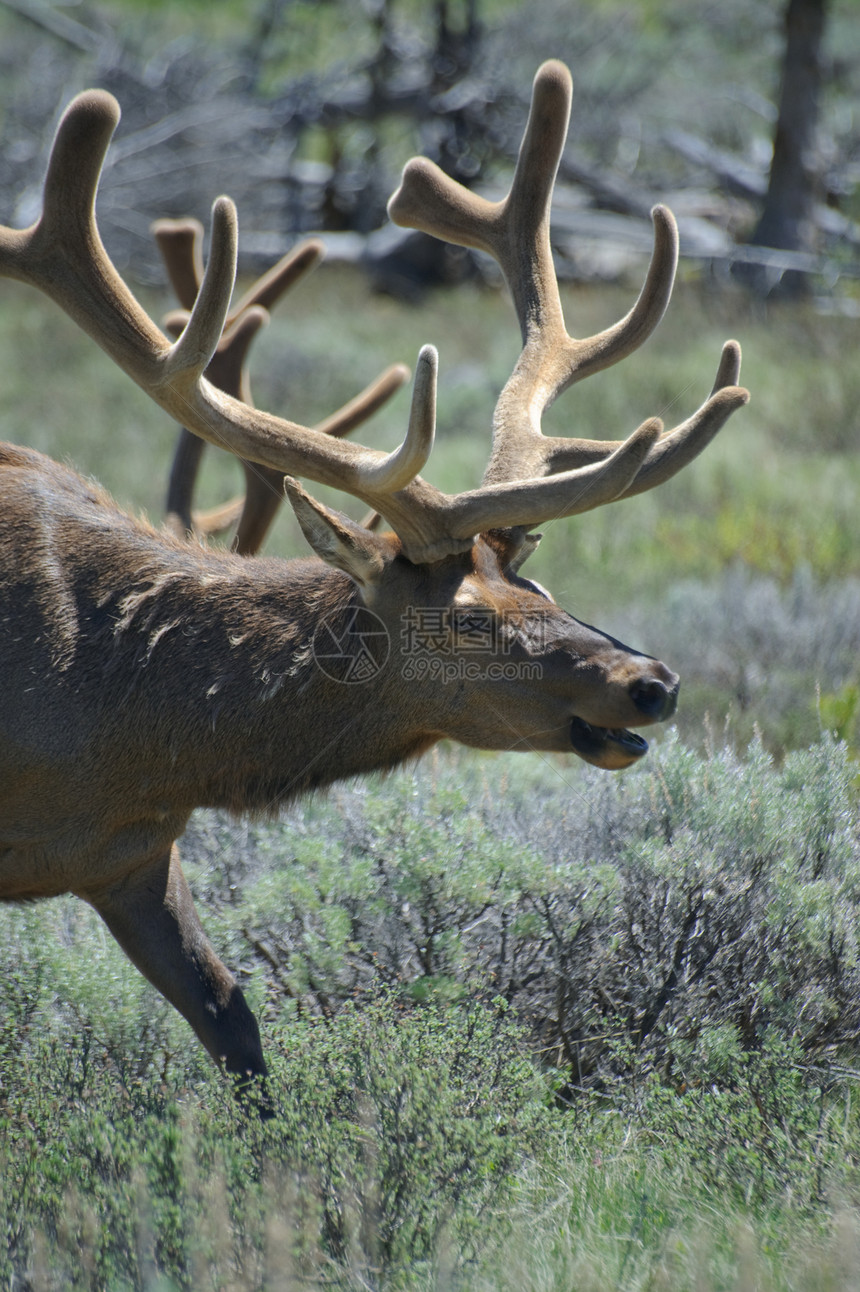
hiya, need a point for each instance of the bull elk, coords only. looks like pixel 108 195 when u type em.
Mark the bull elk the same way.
pixel 144 675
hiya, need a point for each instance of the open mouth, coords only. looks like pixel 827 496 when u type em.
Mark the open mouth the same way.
pixel 609 747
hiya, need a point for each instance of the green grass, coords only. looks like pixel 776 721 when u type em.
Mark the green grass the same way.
pixel 607 1213
pixel 427 1137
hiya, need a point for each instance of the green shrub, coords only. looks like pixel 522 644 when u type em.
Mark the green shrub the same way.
pixel 717 891
pixel 396 1131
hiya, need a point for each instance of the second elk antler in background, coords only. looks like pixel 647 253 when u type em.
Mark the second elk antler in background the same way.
pixel 144 676
pixel 180 243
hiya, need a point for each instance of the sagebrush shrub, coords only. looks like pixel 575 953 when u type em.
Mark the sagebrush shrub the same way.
pixel 703 891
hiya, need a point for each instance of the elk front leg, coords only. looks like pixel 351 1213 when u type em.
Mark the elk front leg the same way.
pixel 151 914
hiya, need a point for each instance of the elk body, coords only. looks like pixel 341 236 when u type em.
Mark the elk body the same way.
pixel 144 675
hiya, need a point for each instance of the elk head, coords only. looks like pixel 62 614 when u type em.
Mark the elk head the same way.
pixel 460 554
pixel 541 679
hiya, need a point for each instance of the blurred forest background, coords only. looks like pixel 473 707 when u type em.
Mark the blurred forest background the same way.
pixel 304 113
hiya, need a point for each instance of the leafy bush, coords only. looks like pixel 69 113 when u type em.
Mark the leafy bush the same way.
pixel 752 1124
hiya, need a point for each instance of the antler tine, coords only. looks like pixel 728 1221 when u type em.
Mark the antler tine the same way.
pixel 270 286
pixel 63 255
pixel 676 447
pixel 181 245
pixel 684 442
pixel 367 402
pixel 194 347
pixel 228 372
pixel 729 371
pixel 227 368
pixel 569 493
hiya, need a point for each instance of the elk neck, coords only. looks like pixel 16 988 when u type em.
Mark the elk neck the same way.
pixel 183 673
pixel 264 678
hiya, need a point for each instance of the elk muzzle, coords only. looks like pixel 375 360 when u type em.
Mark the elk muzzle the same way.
pixel 654 696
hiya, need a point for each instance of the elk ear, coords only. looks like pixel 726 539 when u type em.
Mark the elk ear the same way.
pixel 512 546
pixel 336 539
pixel 529 544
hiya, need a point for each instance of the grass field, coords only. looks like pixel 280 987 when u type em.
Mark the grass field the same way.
pixel 532 1026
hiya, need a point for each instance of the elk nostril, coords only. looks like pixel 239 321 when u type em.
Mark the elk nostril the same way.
pixel 654 698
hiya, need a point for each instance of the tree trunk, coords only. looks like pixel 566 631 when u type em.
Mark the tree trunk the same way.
pixel 787 220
